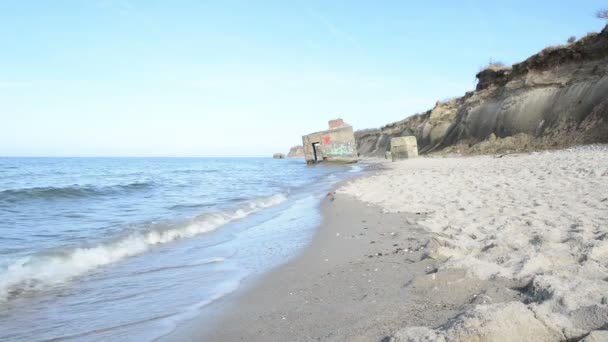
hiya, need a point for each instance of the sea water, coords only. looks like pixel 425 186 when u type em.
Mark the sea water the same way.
pixel 127 248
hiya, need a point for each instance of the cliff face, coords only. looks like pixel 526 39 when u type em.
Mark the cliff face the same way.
pixel 555 98
pixel 429 128
pixel 296 152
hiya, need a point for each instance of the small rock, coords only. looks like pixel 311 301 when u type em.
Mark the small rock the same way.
pixel 431 269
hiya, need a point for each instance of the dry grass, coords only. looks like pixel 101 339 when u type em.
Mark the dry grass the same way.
pixel 550 49
pixel 366 131
pixel 494 66
pixel 446 100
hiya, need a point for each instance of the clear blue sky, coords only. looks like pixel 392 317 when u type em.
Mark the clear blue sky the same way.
pixel 234 78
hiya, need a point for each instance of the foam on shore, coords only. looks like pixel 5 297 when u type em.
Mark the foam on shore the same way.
pixel 37 272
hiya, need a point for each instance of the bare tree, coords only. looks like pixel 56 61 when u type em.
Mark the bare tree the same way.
pixel 602 14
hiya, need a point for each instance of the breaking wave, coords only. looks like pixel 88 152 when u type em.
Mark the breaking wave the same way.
pixel 71 191
pixel 355 168
pixel 37 272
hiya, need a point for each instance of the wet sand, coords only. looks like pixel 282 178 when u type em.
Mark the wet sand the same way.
pixel 366 275
pixel 506 248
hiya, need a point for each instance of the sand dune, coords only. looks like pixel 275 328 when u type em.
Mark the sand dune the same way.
pixel 540 219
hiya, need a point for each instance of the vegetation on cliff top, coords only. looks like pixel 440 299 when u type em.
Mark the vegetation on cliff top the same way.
pixel 501 110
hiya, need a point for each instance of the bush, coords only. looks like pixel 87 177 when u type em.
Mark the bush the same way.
pixel 494 66
pixel 602 14
pixel 571 40
pixel 550 49
pixel 446 100
pixel 366 131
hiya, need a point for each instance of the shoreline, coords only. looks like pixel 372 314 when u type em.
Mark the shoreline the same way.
pixel 442 249
pixel 365 275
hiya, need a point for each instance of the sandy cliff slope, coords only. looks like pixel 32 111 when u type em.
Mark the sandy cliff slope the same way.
pixel 296 152
pixel 556 98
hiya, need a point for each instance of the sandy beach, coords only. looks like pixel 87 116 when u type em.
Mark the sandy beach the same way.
pixel 487 248
pixel 538 219
pixel 396 171
pixel 364 276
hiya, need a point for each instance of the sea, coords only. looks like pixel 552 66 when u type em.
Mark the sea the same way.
pixel 126 249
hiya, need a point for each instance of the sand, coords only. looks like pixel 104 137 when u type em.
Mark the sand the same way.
pixel 540 220
pixel 441 249
pixel 365 275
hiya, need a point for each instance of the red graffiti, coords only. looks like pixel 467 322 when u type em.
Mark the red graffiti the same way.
pixel 326 140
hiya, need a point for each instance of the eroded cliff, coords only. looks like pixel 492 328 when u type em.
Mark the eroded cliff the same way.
pixel 296 152
pixel 556 98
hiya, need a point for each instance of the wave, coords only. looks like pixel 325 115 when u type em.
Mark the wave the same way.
pixel 195 171
pixel 355 168
pixel 71 191
pixel 38 272
pixel 189 206
pixel 180 267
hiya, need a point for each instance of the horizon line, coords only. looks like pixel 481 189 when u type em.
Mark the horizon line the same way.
pixel 119 156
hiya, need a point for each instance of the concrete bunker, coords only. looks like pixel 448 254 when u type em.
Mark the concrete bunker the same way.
pixel 403 148
pixel 337 144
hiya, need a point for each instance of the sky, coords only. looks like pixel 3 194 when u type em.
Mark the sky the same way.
pixel 246 78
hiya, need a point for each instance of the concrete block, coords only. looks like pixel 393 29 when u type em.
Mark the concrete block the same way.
pixel 336 123
pixel 404 148
pixel 335 145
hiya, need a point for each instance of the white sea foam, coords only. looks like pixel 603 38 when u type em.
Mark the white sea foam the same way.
pixel 38 271
pixel 355 168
